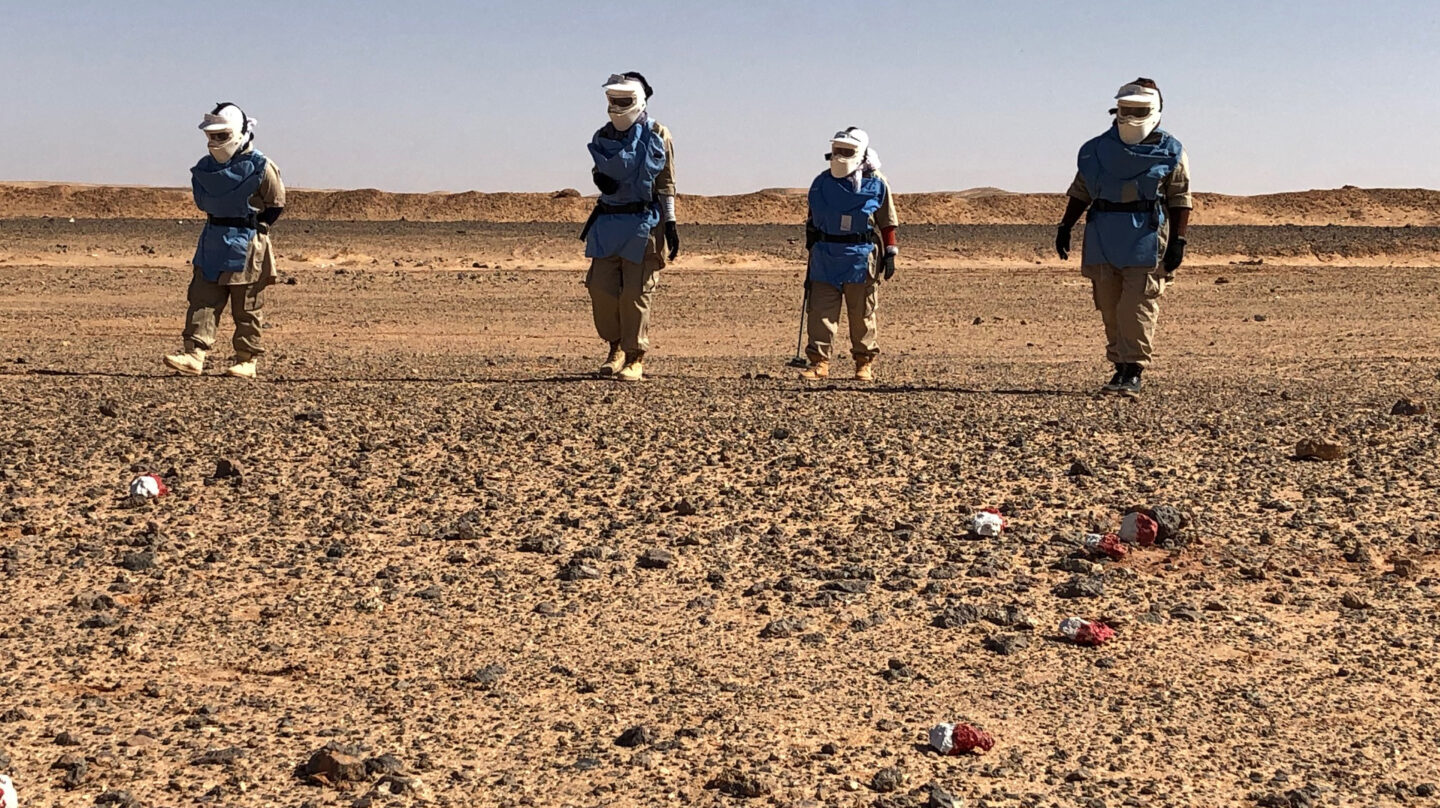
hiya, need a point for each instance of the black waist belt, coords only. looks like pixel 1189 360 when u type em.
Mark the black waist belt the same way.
pixel 233 221
pixel 601 209
pixel 848 238
pixel 1139 206
pixel 631 207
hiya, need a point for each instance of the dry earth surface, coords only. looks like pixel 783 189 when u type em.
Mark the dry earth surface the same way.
pixel 429 538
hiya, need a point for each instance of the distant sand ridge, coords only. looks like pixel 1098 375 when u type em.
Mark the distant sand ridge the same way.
pixel 1344 206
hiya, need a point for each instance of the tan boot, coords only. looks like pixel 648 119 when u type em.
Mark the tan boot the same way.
pixel 244 367
pixel 615 362
pixel 634 368
pixel 865 369
pixel 819 367
pixel 190 363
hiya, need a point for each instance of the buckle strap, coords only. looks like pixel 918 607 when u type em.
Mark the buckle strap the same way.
pixel 1138 206
pixel 233 221
pixel 848 238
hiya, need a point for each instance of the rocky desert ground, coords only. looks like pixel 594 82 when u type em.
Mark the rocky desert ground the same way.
pixel 428 559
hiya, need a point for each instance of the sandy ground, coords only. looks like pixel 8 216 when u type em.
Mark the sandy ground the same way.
pixel 426 465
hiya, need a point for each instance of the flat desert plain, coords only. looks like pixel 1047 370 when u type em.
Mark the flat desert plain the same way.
pixel 428 558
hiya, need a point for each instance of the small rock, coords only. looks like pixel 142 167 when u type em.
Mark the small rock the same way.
pixel 783 628
pixel 685 508
pixel 334 766
pixel 488 675
pixel 938 797
pixel 547 545
pixel 736 783
pixel 887 780
pixel 109 409
pixel 1350 600
pixel 637 736
pixel 1080 469
pixel 1006 644
pixel 1324 448
pixel 119 798
pixel 138 562
pixel 577 570
pixel 1409 406
pixel 219 757
pixel 1169 521
pixel 1078 587
pixel 656 559
pixel 66 739
pixel 226 469
pixel 1259 318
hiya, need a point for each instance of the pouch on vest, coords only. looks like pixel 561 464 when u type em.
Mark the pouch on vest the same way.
pixel 634 159
pixel 842 215
pixel 223 191
pixel 1127 210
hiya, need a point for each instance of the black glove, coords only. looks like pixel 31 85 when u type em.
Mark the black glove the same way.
pixel 1174 253
pixel 672 238
pixel 606 183
pixel 812 236
pixel 887 267
pixel 1062 242
pixel 807 282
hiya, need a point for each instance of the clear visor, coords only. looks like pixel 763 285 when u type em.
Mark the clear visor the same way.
pixel 1132 112
pixel 843 152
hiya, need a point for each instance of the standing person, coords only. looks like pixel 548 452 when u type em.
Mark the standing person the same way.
pixel 241 193
pixel 635 172
pixel 850 233
pixel 1134 181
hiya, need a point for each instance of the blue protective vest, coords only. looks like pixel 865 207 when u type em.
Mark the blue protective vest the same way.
pixel 223 190
pixel 837 209
pixel 633 158
pixel 1115 171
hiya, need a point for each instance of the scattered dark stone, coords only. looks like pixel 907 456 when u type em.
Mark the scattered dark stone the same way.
pixel 118 798
pixel 1408 407
pixel 957 616
pixel 656 559
pixel 1425 790
pixel 1006 644
pixel 385 765
pixel 314 417
pixel 102 620
pixel 109 409
pixel 1078 587
pixel 897 671
pixel 547 545
pixel 15 715
pixel 66 739
pixel 431 592
pixel 488 675
pixel 1350 600
pixel 333 766
pixel 1324 448
pixel 1080 469
pixel 848 587
pixel 937 797
pixel 1169 521
pixel 1185 611
pixel 685 508
pixel 470 526
pixel 887 780
pixel 138 562
pixel 226 469
pixel 577 570
pixel 736 783
pixel 637 736
pixel 783 628
pixel 219 757
pixel 780 433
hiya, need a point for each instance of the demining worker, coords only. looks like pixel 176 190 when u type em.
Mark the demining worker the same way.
pixel 635 172
pixel 240 191
pixel 1133 185
pixel 850 234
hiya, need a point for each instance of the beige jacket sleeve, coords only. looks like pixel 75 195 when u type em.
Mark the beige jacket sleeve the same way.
pixel 886 216
pixel 665 182
pixel 271 193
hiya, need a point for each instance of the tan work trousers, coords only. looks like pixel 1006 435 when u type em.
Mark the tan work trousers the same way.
pixel 823 318
pixel 620 293
pixel 1128 299
pixel 207 302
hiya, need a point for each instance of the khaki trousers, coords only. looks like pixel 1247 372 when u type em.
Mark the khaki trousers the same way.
pixel 620 294
pixel 1128 299
pixel 823 318
pixel 207 302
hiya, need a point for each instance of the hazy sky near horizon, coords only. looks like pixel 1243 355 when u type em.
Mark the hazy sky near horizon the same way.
pixel 427 95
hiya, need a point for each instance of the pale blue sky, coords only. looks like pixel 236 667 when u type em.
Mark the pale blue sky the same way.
pixel 421 95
